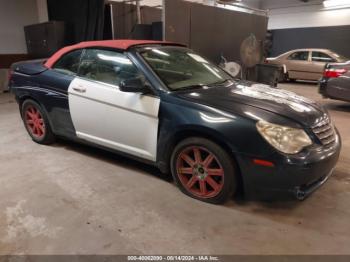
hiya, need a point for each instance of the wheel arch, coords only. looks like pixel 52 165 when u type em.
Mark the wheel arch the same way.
pixel 21 99
pixel 180 135
pixel 24 97
pixel 285 70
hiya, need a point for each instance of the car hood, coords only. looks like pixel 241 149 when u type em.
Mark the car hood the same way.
pixel 287 104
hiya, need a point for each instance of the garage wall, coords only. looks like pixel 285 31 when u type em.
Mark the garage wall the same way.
pixel 249 3
pixel 313 18
pixel 295 24
pixel 296 14
pixel 336 38
pixel 222 34
pixel 125 18
pixel 159 2
pixel 14 15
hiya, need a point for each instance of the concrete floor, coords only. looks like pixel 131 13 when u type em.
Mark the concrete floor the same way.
pixel 73 199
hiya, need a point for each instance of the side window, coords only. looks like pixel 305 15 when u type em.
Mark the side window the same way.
pixel 69 63
pixel 299 56
pixel 321 57
pixel 107 66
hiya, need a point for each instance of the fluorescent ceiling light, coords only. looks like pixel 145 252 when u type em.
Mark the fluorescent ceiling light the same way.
pixel 336 3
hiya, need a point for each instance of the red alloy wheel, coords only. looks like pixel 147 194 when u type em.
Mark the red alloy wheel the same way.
pixel 35 122
pixel 200 172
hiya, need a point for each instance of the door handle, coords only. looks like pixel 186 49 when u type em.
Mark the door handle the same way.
pixel 79 89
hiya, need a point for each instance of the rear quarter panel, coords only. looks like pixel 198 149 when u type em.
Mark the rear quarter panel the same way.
pixel 49 89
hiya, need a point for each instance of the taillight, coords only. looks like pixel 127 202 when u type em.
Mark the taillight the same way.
pixel 333 73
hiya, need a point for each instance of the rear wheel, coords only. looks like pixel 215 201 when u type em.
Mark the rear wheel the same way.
pixel 203 170
pixel 36 123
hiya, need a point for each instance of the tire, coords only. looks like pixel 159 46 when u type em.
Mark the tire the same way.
pixel 281 77
pixel 209 177
pixel 291 80
pixel 36 123
pixel 287 79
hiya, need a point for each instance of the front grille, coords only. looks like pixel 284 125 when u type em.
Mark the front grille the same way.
pixel 325 132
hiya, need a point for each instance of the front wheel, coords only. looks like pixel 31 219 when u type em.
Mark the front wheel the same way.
pixel 288 79
pixel 203 170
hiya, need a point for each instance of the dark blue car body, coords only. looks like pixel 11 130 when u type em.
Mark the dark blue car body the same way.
pixel 226 114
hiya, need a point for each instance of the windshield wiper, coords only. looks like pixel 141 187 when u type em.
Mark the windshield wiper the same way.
pixel 191 87
pixel 219 83
pixel 197 86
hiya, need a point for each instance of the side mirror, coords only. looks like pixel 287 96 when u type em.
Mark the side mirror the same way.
pixel 134 85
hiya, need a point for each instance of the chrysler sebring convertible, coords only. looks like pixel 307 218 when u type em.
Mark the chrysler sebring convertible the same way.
pixel 166 105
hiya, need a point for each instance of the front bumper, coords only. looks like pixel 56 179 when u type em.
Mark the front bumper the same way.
pixel 291 176
pixel 304 191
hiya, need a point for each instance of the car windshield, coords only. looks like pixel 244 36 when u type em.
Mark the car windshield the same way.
pixel 180 68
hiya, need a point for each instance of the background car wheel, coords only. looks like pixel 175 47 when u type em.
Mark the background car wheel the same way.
pixel 288 79
pixel 203 170
pixel 36 123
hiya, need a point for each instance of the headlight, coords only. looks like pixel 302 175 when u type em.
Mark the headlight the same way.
pixel 285 139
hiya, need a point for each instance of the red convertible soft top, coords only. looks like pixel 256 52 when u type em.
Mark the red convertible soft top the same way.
pixel 118 44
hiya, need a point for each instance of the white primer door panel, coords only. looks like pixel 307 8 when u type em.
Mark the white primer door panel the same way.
pixel 103 114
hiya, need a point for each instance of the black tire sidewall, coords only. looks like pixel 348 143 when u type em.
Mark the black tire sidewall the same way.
pixel 48 138
pixel 286 77
pixel 291 80
pixel 223 157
